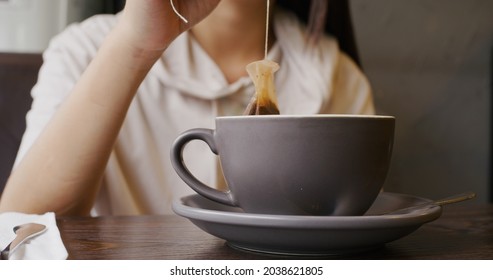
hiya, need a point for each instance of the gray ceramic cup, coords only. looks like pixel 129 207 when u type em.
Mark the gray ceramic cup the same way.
pixel 295 165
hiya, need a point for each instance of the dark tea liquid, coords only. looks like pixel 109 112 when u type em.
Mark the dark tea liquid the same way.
pixel 262 108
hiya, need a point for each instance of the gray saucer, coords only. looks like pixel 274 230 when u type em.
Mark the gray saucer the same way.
pixel 307 235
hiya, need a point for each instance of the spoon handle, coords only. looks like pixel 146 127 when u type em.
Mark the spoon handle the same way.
pixel 440 202
pixel 454 198
pixel 23 233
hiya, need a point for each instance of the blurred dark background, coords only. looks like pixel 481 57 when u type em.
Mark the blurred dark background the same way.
pixel 430 65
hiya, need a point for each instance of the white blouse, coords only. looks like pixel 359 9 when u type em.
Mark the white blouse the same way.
pixel 186 89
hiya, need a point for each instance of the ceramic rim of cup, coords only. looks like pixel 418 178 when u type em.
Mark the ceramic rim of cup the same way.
pixel 318 116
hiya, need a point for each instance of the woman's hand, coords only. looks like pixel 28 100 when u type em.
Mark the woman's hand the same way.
pixel 151 25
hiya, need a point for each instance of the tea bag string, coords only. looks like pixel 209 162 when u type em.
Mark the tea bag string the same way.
pixel 176 12
pixel 267 30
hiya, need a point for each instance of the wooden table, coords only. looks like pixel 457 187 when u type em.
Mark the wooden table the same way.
pixel 464 231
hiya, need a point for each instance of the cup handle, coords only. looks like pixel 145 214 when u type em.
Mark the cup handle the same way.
pixel 206 135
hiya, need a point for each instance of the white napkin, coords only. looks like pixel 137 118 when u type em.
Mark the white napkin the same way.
pixel 46 246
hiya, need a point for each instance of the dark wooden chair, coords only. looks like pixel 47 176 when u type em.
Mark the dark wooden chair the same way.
pixel 18 74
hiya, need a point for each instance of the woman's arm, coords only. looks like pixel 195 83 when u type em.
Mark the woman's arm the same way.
pixel 62 169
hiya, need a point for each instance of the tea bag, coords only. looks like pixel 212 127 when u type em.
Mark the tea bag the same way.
pixel 264 102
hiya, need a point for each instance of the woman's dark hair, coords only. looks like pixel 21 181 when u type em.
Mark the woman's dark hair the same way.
pixel 113 6
pixel 330 16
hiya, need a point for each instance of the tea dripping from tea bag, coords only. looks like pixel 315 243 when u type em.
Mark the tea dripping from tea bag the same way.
pixel 264 102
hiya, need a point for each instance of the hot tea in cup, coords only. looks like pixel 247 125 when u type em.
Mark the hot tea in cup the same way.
pixel 295 165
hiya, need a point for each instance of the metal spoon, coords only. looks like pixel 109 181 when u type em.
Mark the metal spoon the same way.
pixel 24 232
pixel 447 200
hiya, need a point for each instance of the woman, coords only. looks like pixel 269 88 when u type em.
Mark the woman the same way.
pixel 115 91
